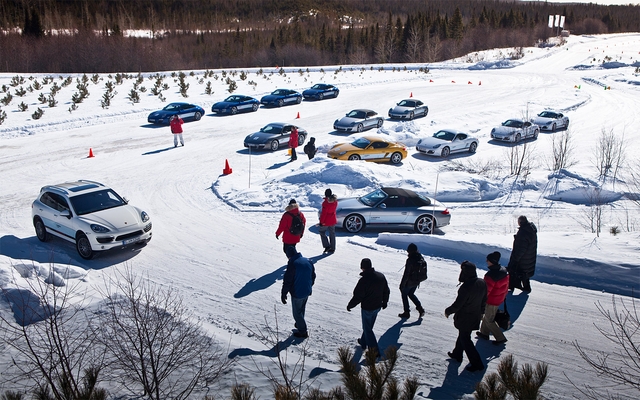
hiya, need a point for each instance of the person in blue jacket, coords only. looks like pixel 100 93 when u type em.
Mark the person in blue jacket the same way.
pixel 298 280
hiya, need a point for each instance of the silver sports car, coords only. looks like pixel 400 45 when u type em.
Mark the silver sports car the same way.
pixel 409 109
pixel 515 130
pixel 358 121
pixel 551 120
pixel 392 207
pixel 447 141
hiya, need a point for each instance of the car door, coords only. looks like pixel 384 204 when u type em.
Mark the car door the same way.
pixel 245 104
pixel 283 139
pixel 527 130
pixel 393 210
pixel 376 150
pixel 370 120
pixel 186 111
pixel 459 143
pixel 289 97
pixel 53 205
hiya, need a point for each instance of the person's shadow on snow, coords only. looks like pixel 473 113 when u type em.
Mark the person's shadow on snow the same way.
pixel 261 283
pixel 392 335
pixel 278 165
pixel 454 386
pixel 272 352
pixel 515 304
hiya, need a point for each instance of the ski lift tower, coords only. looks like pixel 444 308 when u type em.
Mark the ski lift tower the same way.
pixel 556 21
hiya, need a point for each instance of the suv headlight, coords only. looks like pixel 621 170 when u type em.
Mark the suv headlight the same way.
pixel 144 216
pixel 99 228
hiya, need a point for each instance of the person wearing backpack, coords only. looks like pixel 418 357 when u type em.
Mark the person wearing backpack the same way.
pixel 310 148
pixel 298 281
pixel 415 271
pixel 328 221
pixel 292 225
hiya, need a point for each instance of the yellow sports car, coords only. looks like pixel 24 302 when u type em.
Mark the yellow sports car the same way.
pixel 369 148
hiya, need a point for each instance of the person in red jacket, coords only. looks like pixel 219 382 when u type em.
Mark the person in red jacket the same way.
pixel 497 280
pixel 176 128
pixel 328 221
pixel 288 238
pixel 293 143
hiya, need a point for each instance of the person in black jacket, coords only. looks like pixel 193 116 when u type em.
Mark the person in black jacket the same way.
pixel 468 309
pixel 410 281
pixel 522 264
pixel 372 293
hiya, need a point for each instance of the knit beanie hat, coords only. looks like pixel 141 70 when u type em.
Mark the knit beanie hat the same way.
pixel 494 258
pixel 328 193
pixel 292 201
pixel 365 263
pixel 412 248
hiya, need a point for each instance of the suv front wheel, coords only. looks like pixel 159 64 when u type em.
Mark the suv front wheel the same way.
pixel 41 230
pixel 84 246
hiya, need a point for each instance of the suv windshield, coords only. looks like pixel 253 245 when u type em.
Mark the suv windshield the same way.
pixel 96 201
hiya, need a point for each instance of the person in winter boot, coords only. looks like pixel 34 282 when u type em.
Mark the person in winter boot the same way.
pixel 522 264
pixel 288 238
pixel 468 309
pixel 310 148
pixel 298 280
pixel 176 128
pixel 293 143
pixel 372 293
pixel 497 281
pixel 410 281
pixel 328 221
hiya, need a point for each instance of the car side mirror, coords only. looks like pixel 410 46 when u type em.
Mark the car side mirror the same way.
pixel 65 213
pixel 382 205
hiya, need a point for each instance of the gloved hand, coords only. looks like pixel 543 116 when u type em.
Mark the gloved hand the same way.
pixel 384 305
pixel 348 309
pixel 277 236
pixel 446 315
pixel 283 298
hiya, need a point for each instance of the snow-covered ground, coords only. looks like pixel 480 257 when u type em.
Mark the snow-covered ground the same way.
pixel 214 234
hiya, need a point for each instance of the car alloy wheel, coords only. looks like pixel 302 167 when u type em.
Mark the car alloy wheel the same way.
pixel 445 152
pixel 320 96
pixel 518 138
pixel 379 123
pixel 197 116
pixel 473 147
pixel 280 103
pixel 234 110
pixel 553 128
pixel 411 115
pixel 396 158
pixel 84 246
pixel 424 224
pixel 300 140
pixel 536 133
pixel 360 128
pixel 298 100
pixel 254 107
pixel 354 223
pixel 274 144
pixel 353 157
pixel 41 230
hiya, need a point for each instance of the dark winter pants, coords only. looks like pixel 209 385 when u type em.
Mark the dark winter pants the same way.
pixel 464 343
pixel 409 293
pixel 298 307
pixel 285 246
pixel 331 241
pixel 368 320
pixel 294 156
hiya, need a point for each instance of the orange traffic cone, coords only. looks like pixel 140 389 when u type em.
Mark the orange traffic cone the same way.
pixel 469 83
pixel 430 80
pixel 227 170
pixel 90 153
pixel 298 116
pixel 479 83
pixel 411 94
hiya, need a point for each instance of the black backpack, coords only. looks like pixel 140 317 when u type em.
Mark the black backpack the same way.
pixel 297 226
pixel 421 271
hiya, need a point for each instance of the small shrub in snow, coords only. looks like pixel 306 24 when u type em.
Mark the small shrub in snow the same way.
pixel 52 102
pixel 37 114
pixel 3 116
pixel 182 84
pixel 614 230
pixel 95 78
pixel 20 92
pixel 16 81
pixel 232 85
pixel 73 107
pixel 67 81
pixel 23 106
pixel 243 76
pixel 6 99
pixel 207 89
pixel 133 96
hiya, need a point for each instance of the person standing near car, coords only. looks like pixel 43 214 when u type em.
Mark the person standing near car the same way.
pixel 497 280
pixel 310 148
pixel 468 309
pixel 522 263
pixel 176 128
pixel 328 221
pixel 411 280
pixel 298 280
pixel 289 238
pixel 293 143
pixel 372 293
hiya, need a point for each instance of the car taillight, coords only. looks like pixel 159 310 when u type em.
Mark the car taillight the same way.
pixel 445 212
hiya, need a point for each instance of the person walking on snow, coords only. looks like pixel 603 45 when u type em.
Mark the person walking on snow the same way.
pixel 289 239
pixel 372 293
pixel 522 263
pixel 176 128
pixel 410 281
pixel 328 221
pixel 468 309
pixel 298 280
pixel 497 280
pixel 293 143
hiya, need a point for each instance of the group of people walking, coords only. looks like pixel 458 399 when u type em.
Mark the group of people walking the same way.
pixel 474 309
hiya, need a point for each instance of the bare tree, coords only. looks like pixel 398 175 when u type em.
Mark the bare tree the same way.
pixel 562 151
pixel 520 159
pixel 414 46
pixel 152 341
pixel 633 182
pixel 57 353
pixel 609 154
pixel 621 366
pixel 432 48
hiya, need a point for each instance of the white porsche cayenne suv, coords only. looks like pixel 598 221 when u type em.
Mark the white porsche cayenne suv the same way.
pixel 89 214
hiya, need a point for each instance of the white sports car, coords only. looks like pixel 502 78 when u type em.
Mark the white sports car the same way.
pixel 515 130
pixel 89 214
pixel 551 120
pixel 447 141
